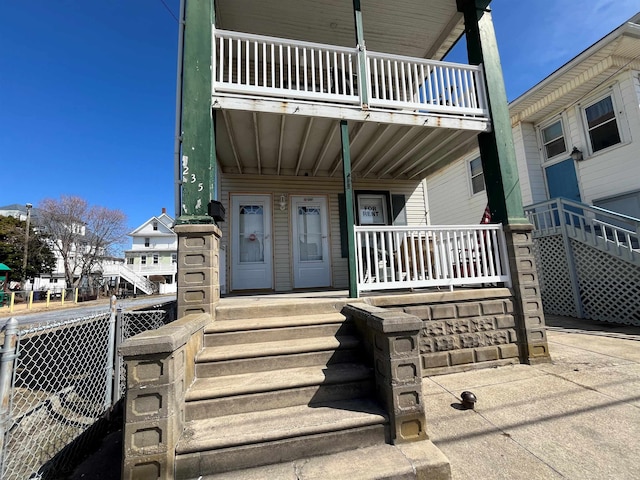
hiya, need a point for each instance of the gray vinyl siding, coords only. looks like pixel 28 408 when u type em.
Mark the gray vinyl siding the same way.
pixel 450 199
pixel 310 186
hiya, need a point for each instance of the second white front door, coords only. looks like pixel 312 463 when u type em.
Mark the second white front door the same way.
pixel 251 245
pixel 311 260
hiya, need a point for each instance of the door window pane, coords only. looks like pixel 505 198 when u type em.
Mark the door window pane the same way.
pixel 251 233
pixel 310 234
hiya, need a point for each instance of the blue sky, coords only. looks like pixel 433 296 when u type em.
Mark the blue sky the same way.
pixel 87 90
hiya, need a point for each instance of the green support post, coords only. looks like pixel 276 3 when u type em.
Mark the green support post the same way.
pixel 198 157
pixel 362 55
pixel 496 147
pixel 348 201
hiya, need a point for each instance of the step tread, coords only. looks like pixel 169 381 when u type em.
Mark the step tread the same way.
pixel 247 383
pixel 244 324
pixel 377 462
pixel 280 423
pixel 283 347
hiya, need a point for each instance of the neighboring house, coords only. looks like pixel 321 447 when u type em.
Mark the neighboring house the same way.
pixel 592 105
pixel 153 252
pixel 56 281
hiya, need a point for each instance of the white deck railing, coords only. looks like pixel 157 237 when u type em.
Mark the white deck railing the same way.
pixel 262 66
pixel 586 221
pixel 433 256
pixel 405 82
pixel 269 66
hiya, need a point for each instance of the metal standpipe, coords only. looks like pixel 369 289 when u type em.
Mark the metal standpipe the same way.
pixel 7 358
pixel 109 370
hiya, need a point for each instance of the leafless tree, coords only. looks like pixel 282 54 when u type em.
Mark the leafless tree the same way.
pixel 81 234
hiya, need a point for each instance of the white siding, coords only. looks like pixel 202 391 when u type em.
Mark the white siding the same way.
pixel 528 157
pixel 450 198
pixel 330 187
pixel 615 170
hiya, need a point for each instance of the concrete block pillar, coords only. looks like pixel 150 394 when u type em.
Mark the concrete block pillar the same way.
pixel 392 340
pixel 528 314
pixel 198 268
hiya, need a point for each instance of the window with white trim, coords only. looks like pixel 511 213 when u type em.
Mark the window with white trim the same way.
pixel 477 176
pixel 129 260
pixel 553 140
pixel 147 241
pixel 143 260
pixel 602 125
pixel 156 258
pixel 174 258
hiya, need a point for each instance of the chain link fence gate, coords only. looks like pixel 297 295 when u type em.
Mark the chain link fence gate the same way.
pixel 58 384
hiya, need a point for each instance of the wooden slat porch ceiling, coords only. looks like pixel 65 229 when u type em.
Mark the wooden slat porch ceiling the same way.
pixel 416 28
pixel 273 144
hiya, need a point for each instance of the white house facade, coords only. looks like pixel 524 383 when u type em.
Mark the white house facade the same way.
pixel 153 252
pixel 576 135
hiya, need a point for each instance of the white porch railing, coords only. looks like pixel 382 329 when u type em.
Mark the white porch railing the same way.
pixel 587 222
pixel 433 256
pixel 263 66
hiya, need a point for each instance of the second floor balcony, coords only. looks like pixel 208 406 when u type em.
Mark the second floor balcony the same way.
pixel 270 68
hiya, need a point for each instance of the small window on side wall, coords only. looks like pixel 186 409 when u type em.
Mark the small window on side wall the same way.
pixel 602 125
pixel 553 140
pixel 477 176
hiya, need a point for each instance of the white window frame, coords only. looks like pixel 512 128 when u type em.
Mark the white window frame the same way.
pixel 565 135
pixel 471 176
pixel 614 93
pixel 156 259
pixel 143 260
pixel 147 242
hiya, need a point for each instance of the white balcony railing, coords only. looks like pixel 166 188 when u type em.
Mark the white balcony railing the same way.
pixel 257 65
pixel 405 82
pixel 260 65
pixel 433 256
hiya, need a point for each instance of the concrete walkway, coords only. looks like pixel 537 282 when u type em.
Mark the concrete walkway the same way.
pixel 577 418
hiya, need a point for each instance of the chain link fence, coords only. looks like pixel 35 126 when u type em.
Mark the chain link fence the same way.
pixel 58 385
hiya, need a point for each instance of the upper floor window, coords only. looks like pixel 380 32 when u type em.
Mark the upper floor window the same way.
pixel 147 241
pixel 553 140
pixel 174 258
pixel 477 176
pixel 129 260
pixel 602 125
pixel 155 258
pixel 155 226
pixel 143 259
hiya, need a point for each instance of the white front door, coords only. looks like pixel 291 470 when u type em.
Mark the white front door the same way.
pixel 251 245
pixel 311 260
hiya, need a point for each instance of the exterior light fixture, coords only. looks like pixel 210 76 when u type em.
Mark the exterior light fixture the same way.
pixel 283 201
pixel 576 154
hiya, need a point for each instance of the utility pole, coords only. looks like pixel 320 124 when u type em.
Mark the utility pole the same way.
pixel 26 247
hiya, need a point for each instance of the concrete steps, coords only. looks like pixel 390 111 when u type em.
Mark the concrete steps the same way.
pixel 276 385
pixel 377 462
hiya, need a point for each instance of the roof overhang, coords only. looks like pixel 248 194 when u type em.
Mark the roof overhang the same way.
pixel 588 71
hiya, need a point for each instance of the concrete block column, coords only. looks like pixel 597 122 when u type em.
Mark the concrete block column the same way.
pixel 528 314
pixel 159 371
pixel 198 268
pixel 395 348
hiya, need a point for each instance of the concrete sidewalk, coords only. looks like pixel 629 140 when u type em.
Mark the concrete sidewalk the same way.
pixel 575 418
pixel 578 417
